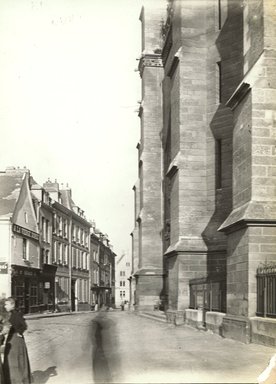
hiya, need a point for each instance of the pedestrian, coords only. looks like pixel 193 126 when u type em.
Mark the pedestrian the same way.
pixel 16 365
pixel 122 305
pixel 3 331
pixel 2 338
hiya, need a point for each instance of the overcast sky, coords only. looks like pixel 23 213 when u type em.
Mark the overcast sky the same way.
pixel 68 95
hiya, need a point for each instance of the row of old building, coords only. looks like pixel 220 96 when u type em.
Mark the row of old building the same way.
pixel 51 257
pixel 204 240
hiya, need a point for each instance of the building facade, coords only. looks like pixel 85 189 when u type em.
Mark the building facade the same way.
pixel 20 242
pixel 46 259
pixel 206 192
pixel 122 285
pixel 102 270
pixel 147 234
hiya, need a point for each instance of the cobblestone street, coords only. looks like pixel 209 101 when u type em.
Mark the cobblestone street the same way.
pixel 121 347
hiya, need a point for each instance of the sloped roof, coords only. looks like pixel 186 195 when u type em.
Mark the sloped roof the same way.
pixel 120 259
pixel 9 191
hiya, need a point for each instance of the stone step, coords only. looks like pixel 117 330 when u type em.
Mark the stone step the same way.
pixel 155 315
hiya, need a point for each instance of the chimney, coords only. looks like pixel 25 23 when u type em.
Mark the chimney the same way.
pixel 52 188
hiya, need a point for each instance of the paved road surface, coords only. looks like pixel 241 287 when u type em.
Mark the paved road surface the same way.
pixel 121 347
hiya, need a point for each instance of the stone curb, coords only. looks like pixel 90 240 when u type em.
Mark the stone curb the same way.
pixel 46 315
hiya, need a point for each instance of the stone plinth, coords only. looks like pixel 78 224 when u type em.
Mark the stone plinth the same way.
pixel 175 317
pixel 194 317
pixel 263 331
pixel 214 321
pixel 237 328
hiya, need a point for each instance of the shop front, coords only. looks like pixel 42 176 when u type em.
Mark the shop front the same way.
pixel 33 289
pixel 101 296
pixel 47 288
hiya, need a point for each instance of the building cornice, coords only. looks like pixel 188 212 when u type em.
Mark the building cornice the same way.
pixel 174 166
pixel 150 60
pixel 149 271
pixel 252 213
pixel 71 214
pixel 238 96
pixel 195 245
pixel 248 83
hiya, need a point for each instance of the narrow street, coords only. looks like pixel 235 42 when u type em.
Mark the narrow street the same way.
pixel 121 347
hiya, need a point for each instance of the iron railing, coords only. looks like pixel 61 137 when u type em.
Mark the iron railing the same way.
pixel 266 291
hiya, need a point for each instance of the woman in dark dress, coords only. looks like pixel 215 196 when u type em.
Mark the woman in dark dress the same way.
pixel 2 338
pixel 3 331
pixel 16 362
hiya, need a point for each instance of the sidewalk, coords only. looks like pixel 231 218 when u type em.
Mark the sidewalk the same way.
pixel 33 316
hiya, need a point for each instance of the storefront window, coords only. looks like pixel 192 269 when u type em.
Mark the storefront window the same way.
pixel 18 293
pixel 33 295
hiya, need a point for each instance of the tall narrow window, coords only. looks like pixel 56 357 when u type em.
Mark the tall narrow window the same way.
pixel 55 223
pixel 55 252
pixel 141 175
pixel 65 228
pixel 43 228
pixel 25 250
pixel 74 262
pixel 66 254
pixel 73 232
pixel 47 257
pixel 60 252
pixel 218 164
pixel 47 231
pixel 60 225
pixel 219 14
pixel 218 82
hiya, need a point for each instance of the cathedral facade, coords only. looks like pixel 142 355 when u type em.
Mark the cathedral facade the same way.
pixel 204 241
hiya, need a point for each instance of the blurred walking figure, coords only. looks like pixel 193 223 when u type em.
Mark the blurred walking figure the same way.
pixel 122 305
pixel 16 362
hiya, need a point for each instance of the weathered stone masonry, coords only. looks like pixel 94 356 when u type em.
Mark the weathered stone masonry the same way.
pixel 207 161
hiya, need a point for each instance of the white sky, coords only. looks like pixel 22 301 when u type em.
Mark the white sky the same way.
pixel 68 95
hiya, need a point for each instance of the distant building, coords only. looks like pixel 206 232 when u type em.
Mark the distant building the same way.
pixel 46 261
pixel 21 243
pixel 102 270
pixel 204 239
pixel 122 285
pixel 71 250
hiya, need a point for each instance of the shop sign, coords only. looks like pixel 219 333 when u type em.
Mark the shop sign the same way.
pixel 3 268
pixel 25 232
pixel 24 272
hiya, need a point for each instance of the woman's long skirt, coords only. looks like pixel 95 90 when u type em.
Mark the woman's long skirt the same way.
pixel 16 361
